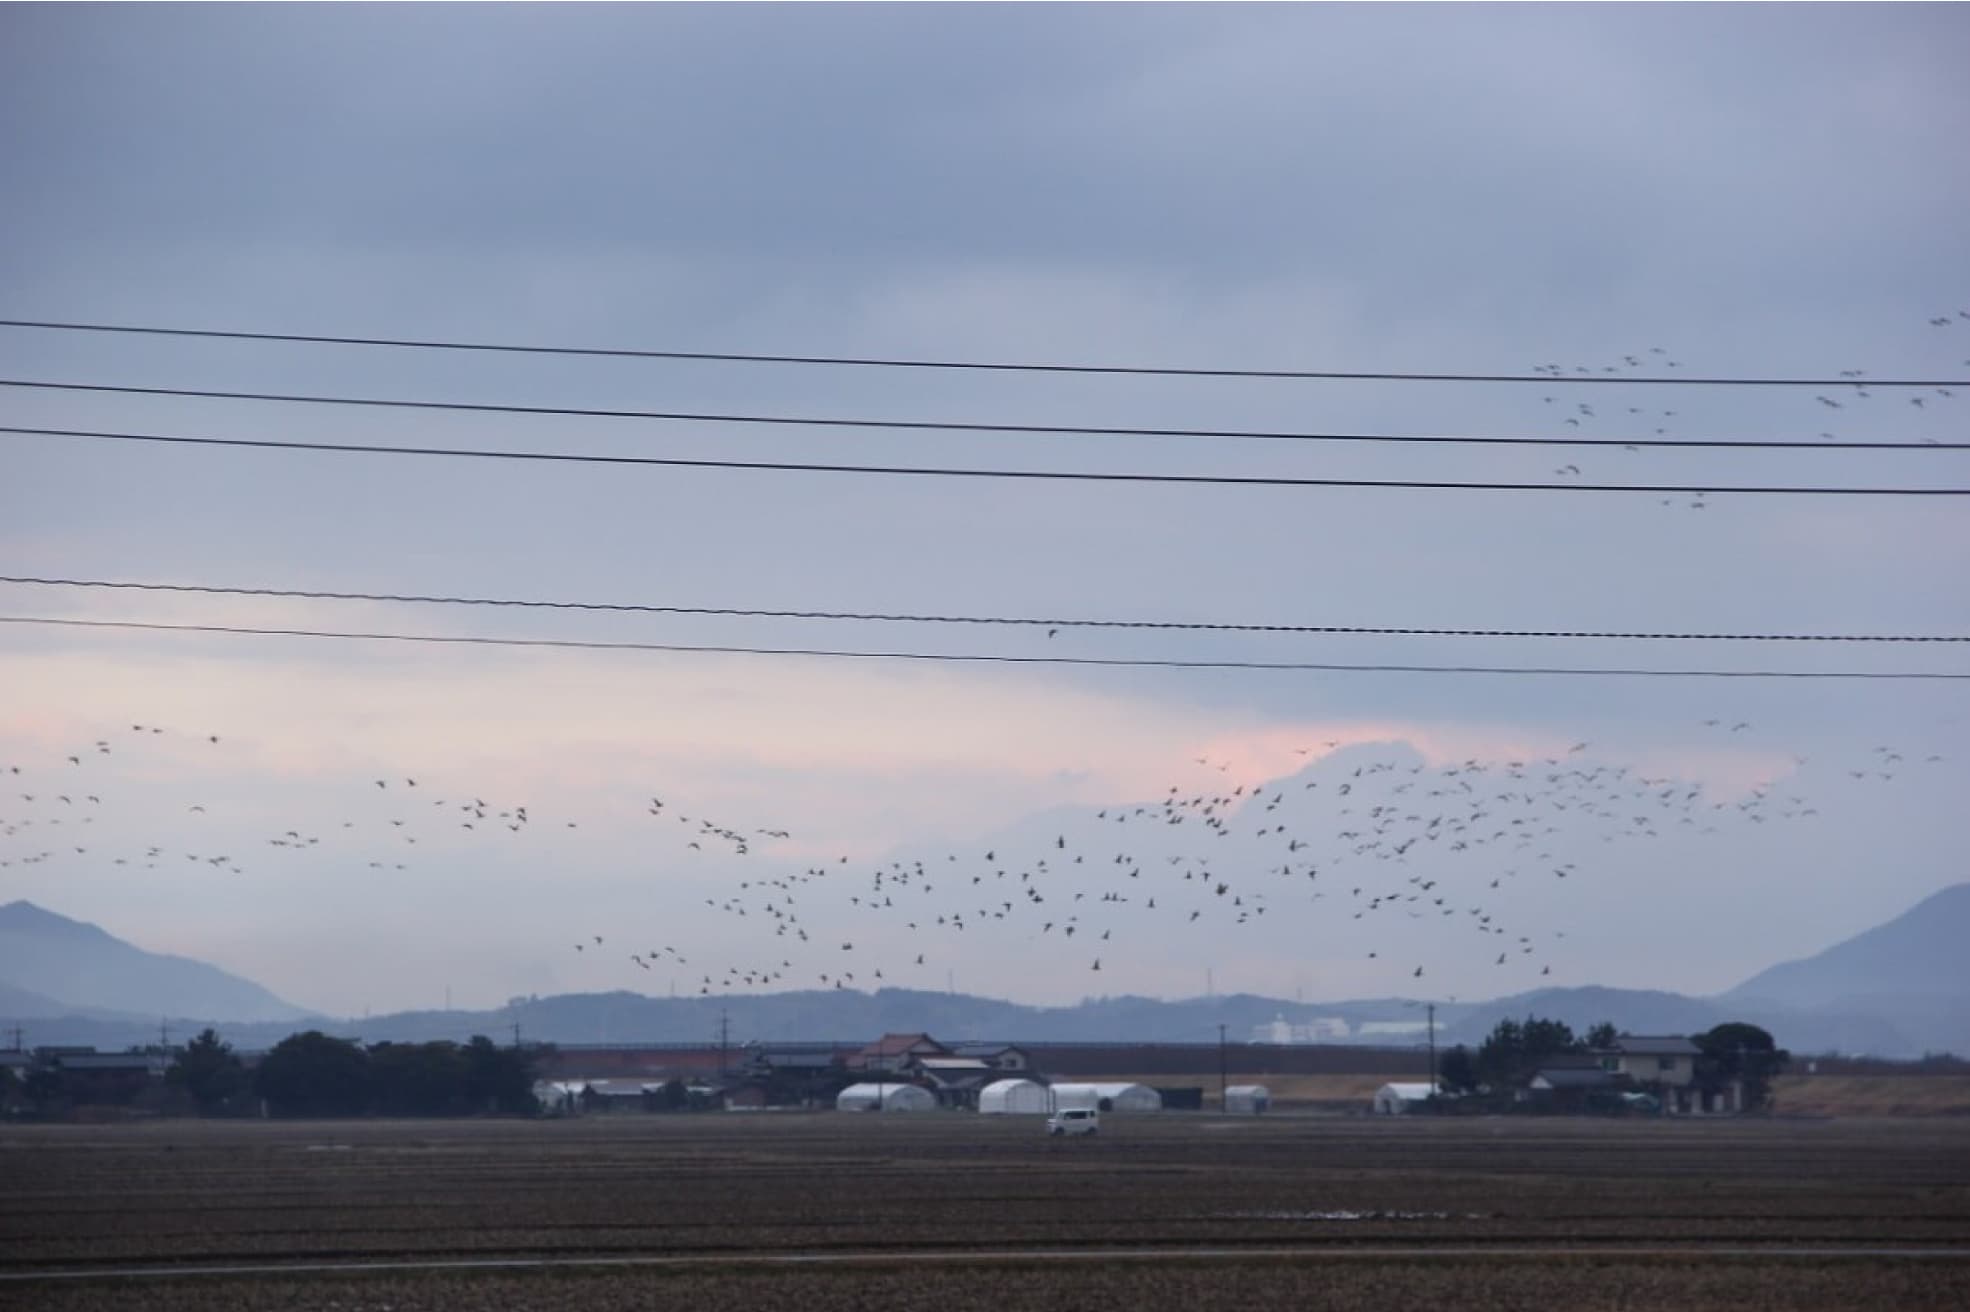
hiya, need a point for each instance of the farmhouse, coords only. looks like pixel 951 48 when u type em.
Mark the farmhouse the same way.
pixel 1653 1073
pixel 1008 1058
pixel 956 1081
pixel 1572 1088
pixel 1665 1066
pixel 792 1076
pixel 1651 1059
pixel 893 1053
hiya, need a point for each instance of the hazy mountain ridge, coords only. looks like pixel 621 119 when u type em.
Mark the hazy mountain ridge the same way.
pixel 1808 1004
pixel 84 970
pixel 1924 952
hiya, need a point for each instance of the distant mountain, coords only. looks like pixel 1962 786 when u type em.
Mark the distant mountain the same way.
pixel 1637 1011
pixel 1649 1011
pixel 26 1004
pixel 51 966
pixel 1895 991
pixel 1923 952
pixel 849 1016
pixel 1913 971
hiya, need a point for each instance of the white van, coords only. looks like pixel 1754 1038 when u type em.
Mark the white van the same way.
pixel 1074 1120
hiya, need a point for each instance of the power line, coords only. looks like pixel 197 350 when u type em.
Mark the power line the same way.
pixel 1041 475
pixel 994 366
pixel 982 658
pixel 963 426
pixel 1051 622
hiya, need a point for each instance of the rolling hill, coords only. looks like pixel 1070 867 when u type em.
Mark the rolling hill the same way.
pixel 51 966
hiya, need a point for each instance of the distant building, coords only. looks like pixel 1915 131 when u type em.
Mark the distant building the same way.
pixel 797 1075
pixel 1391 1029
pixel 1282 1032
pixel 1573 1088
pixel 1014 1098
pixel 1651 1059
pixel 1107 1097
pixel 956 1081
pixel 1664 1066
pixel 1401 1098
pixel 894 1052
pixel 1247 1099
pixel 109 1078
pixel 1652 1073
pixel 1007 1058
pixel 879 1097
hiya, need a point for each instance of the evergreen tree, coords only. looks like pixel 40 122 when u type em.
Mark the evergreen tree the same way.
pixel 210 1072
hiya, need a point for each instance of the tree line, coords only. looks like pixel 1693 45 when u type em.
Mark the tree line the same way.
pixel 309 1074
pixel 315 1074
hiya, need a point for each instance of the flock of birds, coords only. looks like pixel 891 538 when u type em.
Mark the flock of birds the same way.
pixel 1383 841
pixel 1374 833
pixel 1586 416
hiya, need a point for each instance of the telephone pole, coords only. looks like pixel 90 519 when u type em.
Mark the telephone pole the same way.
pixel 1433 1088
pixel 724 1038
pixel 1221 1067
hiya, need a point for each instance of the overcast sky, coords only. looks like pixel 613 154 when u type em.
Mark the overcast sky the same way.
pixel 1761 190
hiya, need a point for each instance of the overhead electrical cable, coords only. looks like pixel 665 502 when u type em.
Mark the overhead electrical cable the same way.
pixel 984 658
pixel 997 366
pixel 971 426
pixel 934 471
pixel 1028 621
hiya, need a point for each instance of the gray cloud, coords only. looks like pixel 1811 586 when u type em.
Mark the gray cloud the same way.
pixel 1755 189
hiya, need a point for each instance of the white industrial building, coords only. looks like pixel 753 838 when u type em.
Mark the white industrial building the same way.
pixel 1107 1097
pixel 885 1098
pixel 1391 1029
pixel 1397 1099
pixel 1014 1098
pixel 1284 1033
pixel 1247 1099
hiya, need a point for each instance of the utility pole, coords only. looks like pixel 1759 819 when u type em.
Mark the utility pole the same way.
pixel 163 1032
pixel 724 1037
pixel 1221 1067
pixel 1433 1088
pixel 516 1034
pixel 16 1031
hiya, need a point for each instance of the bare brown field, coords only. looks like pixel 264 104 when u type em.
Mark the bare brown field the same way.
pixel 1873 1095
pixel 955 1211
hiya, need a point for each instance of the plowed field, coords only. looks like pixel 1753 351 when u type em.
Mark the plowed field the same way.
pixel 954 1211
